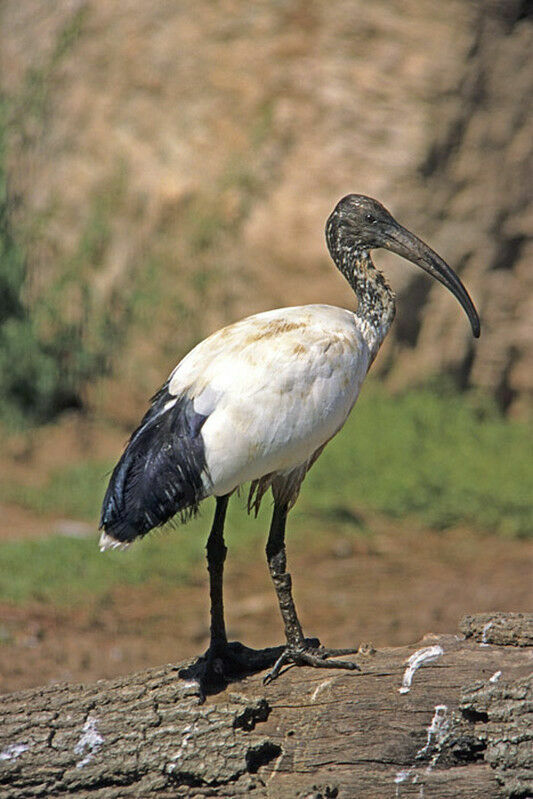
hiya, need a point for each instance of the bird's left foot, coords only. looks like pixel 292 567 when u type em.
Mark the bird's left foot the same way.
pixel 311 653
pixel 234 660
pixel 226 662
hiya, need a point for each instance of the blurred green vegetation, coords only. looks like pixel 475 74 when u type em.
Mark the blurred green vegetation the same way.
pixel 64 325
pixel 436 456
pixel 73 492
pixel 61 337
pixel 51 347
pixel 54 340
pixel 31 108
pixel 68 570
pixel 447 458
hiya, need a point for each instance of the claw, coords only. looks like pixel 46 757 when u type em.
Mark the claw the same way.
pixel 315 656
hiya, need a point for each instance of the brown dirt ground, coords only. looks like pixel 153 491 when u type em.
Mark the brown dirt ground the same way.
pixel 389 588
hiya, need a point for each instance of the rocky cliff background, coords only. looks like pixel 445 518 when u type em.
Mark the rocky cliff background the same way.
pixel 170 166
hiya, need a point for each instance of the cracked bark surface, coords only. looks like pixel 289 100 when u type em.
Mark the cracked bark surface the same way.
pixel 463 729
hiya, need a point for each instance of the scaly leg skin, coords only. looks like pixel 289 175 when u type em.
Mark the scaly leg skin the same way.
pixel 299 651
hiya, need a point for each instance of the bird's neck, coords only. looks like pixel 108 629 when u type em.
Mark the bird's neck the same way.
pixel 375 299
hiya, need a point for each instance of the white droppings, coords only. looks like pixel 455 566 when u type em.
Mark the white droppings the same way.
pixel 486 628
pixel 318 690
pixel 401 776
pixel 495 677
pixel 436 733
pixel 436 730
pixel 13 751
pixel 188 733
pixel 90 741
pixel 421 656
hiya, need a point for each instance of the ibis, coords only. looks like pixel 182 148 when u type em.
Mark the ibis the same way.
pixel 257 402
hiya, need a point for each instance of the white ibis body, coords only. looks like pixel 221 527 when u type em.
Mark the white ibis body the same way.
pixel 257 402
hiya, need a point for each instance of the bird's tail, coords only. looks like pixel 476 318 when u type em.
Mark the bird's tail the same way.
pixel 161 472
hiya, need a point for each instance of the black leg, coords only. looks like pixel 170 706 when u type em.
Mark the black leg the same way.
pixel 216 555
pixel 299 650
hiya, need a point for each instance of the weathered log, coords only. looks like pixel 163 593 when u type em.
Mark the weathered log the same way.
pixel 449 717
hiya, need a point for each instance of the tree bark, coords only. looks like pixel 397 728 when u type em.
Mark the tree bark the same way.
pixel 448 717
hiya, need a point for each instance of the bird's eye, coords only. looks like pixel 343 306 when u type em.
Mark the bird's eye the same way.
pixel 370 218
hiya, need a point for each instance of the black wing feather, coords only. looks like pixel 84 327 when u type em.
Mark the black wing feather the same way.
pixel 160 472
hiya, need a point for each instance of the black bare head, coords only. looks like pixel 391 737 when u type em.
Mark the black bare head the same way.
pixel 360 223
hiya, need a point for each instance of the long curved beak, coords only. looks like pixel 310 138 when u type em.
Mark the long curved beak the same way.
pixel 402 242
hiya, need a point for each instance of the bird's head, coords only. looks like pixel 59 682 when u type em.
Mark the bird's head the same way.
pixel 359 223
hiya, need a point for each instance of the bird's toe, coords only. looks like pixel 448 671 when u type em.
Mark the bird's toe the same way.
pixel 314 655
